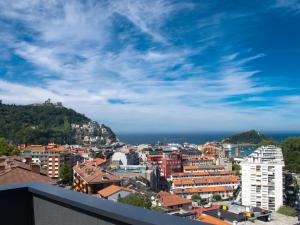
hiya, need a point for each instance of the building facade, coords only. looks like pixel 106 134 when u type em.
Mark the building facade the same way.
pixel 88 178
pixel 262 178
pixel 171 163
pixel 53 168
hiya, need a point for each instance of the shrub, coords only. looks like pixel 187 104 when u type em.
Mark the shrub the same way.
pixel 286 210
pixel 216 197
pixel 195 197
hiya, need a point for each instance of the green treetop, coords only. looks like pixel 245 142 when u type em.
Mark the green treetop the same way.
pixel 7 149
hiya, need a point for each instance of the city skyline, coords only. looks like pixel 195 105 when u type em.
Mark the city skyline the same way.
pixel 156 66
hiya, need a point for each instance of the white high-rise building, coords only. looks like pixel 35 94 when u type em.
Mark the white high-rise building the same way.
pixel 262 178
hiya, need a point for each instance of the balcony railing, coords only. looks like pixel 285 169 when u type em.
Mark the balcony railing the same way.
pixel 42 204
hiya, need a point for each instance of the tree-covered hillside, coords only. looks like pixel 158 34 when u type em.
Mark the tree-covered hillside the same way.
pixel 291 153
pixel 249 137
pixel 39 124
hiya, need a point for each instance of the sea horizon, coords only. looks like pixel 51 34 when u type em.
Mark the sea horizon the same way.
pixel 192 137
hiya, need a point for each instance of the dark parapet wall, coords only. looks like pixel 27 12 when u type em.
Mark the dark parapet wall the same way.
pixel 41 204
pixel 16 207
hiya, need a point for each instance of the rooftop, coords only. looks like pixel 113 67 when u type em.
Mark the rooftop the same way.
pixel 200 158
pixel 112 189
pixel 205 173
pixel 14 171
pixel 91 174
pixel 212 220
pixel 41 204
pixel 207 180
pixel 266 154
pixel 168 199
pixel 204 167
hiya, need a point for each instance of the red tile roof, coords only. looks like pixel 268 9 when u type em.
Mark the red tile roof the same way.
pixel 207 180
pixel 112 189
pixel 212 220
pixel 168 199
pixel 92 174
pixel 200 158
pixel 22 175
pixel 205 173
pixel 204 167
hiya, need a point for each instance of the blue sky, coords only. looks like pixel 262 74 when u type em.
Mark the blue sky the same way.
pixel 157 66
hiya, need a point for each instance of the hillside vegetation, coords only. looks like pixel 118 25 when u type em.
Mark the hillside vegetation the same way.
pixel 291 153
pixel 40 124
pixel 249 137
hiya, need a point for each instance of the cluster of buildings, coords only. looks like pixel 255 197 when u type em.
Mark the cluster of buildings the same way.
pixel 172 176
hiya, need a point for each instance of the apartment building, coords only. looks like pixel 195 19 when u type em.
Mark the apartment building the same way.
pixel 154 160
pixel 171 163
pixel 192 169
pixel 197 160
pixel 53 167
pixel 211 150
pixel 229 181
pixel 262 178
pixel 205 192
pixel 90 179
pixel 40 153
pixel 201 174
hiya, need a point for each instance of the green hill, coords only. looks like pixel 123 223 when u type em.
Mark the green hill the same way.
pixel 44 123
pixel 249 137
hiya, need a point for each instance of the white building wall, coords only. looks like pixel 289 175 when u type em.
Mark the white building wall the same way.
pixel 262 179
pixel 246 185
pixel 121 194
pixel 278 187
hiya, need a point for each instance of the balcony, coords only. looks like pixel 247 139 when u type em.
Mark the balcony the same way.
pixel 41 204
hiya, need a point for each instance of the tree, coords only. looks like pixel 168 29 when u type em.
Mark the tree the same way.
pixel 288 211
pixel 291 153
pixel 137 200
pixel 216 197
pixel 7 149
pixel 196 198
pixel 99 155
pixel 236 167
pixel 66 174
pixel 266 142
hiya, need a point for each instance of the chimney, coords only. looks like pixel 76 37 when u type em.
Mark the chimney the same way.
pixel 35 168
pixel 4 165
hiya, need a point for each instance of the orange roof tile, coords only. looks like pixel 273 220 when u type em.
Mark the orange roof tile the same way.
pixel 207 180
pixel 35 147
pixel 112 189
pixel 203 167
pixel 202 189
pixel 168 199
pixel 200 158
pixel 92 174
pixel 22 175
pixel 205 173
pixel 98 161
pixel 154 156
pixel 212 220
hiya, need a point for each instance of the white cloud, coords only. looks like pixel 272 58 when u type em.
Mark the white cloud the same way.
pixel 73 51
pixel 292 5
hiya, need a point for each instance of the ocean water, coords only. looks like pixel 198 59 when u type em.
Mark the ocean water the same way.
pixel 195 138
